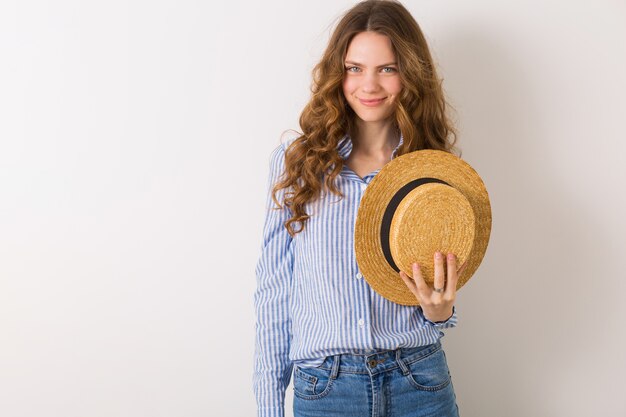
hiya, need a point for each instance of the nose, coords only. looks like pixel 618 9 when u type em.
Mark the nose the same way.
pixel 370 83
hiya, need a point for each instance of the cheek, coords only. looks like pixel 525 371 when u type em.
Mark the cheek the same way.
pixel 394 86
pixel 348 86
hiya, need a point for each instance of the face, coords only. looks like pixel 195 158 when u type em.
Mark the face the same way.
pixel 371 83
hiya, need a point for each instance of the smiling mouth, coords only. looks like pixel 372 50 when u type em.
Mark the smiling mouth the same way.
pixel 373 102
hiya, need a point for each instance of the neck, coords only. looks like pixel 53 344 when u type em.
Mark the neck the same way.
pixel 374 138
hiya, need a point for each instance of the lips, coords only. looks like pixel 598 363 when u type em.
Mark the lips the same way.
pixel 372 102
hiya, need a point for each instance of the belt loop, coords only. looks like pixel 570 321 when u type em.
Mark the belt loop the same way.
pixel 335 369
pixel 403 366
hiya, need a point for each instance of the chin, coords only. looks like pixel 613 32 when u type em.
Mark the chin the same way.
pixel 373 118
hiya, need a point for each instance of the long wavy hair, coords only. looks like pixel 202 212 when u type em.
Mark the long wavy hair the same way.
pixel 312 160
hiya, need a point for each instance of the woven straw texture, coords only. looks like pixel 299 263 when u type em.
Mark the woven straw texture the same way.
pixel 452 218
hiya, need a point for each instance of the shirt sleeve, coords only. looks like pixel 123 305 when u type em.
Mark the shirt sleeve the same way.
pixel 272 367
pixel 450 322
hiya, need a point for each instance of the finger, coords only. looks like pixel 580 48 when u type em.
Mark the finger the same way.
pixel 423 290
pixel 453 277
pixel 463 266
pixel 409 282
pixel 440 278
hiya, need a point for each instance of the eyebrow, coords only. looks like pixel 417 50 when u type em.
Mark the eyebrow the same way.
pixel 361 65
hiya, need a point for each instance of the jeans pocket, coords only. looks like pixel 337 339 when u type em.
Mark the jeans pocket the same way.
pixel 311 383
pixel 429 373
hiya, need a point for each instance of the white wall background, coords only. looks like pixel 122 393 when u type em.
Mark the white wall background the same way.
pixel 134 146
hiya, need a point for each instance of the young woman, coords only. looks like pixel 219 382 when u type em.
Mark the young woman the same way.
pixel 376 95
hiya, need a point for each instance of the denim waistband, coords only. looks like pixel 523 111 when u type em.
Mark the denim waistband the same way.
pixel 377 361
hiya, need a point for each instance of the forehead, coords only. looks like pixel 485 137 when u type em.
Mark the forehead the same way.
pixel 370 48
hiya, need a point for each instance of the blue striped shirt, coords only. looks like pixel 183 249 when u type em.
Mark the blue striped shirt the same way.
pixel 311 300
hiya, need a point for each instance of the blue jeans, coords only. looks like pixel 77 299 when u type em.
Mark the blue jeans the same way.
pixel 407 382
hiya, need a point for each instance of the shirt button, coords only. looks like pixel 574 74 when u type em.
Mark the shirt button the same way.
pixel 361 322
pixel 359 275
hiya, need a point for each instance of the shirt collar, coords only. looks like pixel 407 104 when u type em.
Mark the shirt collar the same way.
pixel 345 146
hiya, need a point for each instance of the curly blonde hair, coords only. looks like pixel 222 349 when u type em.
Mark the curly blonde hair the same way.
pixel 312 160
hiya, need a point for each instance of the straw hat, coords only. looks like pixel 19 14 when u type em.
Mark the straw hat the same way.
pixel 419 203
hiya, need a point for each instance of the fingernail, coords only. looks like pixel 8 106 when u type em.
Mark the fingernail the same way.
pixel 438 255
pixel 450 256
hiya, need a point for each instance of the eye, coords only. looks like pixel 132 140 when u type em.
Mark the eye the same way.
pixel 349 68
pixel 390 68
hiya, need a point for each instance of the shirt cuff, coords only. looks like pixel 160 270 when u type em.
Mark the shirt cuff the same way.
pixel 271 412
pixel 450 322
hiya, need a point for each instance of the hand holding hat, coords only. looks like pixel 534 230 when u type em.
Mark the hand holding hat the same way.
pixel 436 303
pixel 418 204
